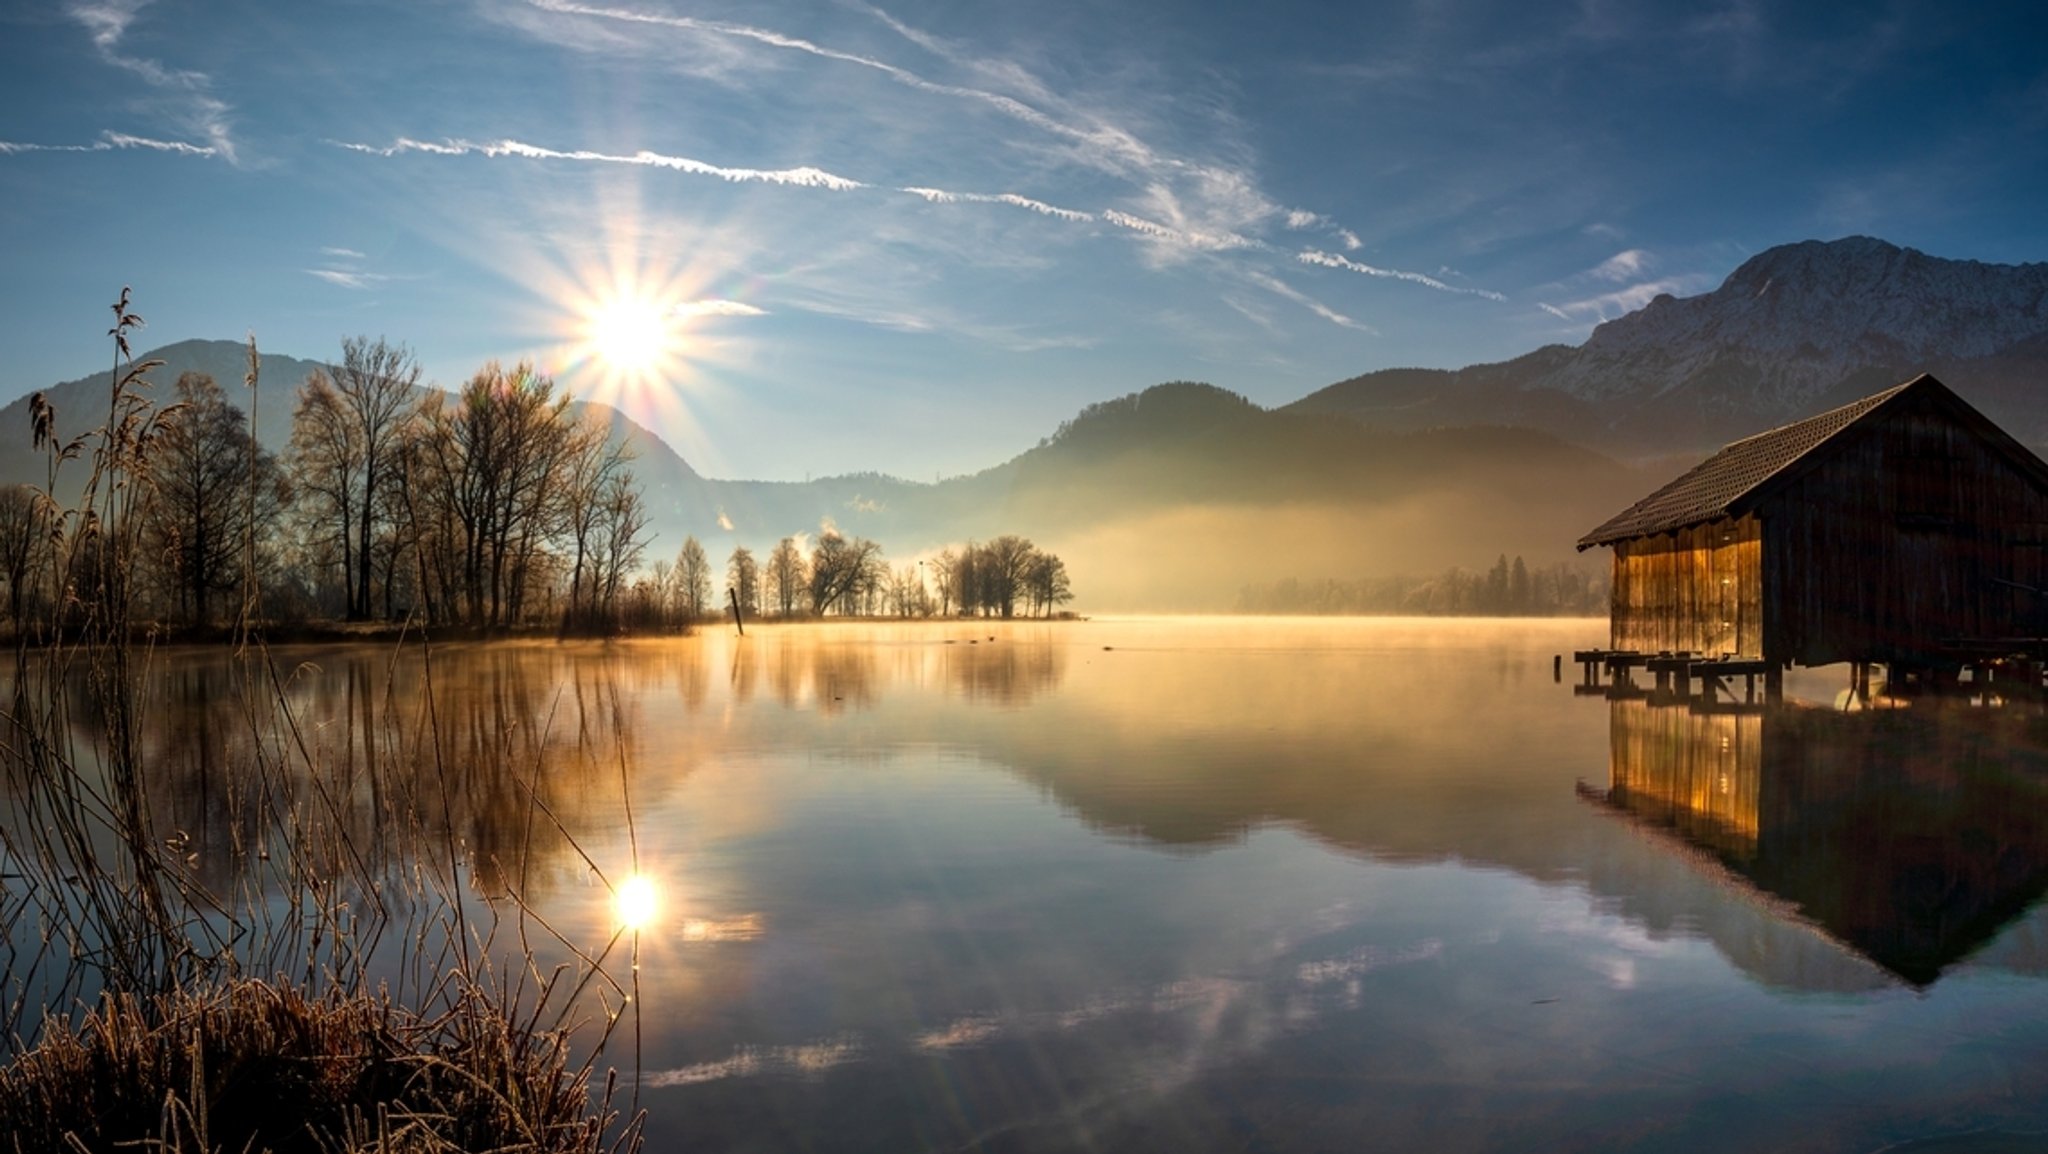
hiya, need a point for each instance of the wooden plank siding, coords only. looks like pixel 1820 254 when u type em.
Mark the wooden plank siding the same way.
pixel 1898 541
pixel 1699 590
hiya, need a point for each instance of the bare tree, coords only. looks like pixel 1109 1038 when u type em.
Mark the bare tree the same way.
pixel 659 584
pixel 594 464
pixel 844 572
pixel 492 461
pixel 200 466
pixel 346 440
pixel 1046 584
pixel 944 568
pixel 619 539
pixel 906 592
pixel 693 569
pixel 1004 561
pixel 743 575
pixel 787 576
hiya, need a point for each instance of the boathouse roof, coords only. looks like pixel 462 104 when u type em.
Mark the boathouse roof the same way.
pixel 1729 483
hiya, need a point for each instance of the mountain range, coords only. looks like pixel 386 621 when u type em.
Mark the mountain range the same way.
pixel 1177 496
pixel 1793 331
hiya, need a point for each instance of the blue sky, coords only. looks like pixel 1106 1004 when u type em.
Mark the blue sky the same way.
pixel 806 236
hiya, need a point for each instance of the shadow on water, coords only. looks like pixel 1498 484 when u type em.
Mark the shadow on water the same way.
pixel 1913 836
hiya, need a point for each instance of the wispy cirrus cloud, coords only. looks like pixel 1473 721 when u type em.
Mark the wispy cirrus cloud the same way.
pixel 111 142
pixel 1332 260
pixel 1300 219
pixel 718 308
pixel 942 196
pixel 1278 287
pixel 188 99
pixel 1182 234
pixel 1103 144
pixel 1192 239
pixel 348 278
pixel 1186 204
pixel 1625 265
pixel 805 177
pixel 342 269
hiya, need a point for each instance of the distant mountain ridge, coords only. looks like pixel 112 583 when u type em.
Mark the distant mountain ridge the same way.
pixel 1794 330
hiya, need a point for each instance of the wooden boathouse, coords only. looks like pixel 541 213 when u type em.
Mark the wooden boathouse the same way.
pixel 1903 529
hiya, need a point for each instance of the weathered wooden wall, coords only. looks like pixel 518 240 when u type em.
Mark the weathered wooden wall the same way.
pixel 1891 545
pixel 1698 590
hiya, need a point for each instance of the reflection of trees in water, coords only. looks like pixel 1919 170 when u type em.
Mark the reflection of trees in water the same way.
pixel 801 668
pixel 1003 673
pixel 496 755
pixel 493 756
pixel 1911 835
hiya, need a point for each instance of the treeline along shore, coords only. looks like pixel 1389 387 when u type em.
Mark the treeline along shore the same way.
pixel 1508 589
pixel 490 510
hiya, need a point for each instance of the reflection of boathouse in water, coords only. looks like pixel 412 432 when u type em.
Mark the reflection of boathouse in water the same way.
pixel 1903 529
pixel 1912 836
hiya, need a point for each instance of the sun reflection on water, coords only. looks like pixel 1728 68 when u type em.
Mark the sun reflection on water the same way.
pixel 637 902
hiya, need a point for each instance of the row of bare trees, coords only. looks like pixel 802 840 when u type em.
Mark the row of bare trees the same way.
pixel 489 507
pixel 850 577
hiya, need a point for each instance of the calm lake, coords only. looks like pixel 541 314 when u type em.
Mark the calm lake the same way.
pixel 1233 884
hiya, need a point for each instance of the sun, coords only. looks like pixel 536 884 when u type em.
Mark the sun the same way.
pixel 635 336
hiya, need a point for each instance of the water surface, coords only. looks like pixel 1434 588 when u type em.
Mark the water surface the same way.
pixel 1199 885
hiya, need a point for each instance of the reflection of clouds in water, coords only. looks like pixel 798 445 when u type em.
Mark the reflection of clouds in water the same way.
pixel 969 1031
pixel 804 1061
pixel 1227 1015
pixel 1202 996
pixel 1360 962
pixel 1206 999
pixel 1610 944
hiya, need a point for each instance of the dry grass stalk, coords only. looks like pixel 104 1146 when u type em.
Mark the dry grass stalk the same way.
pixel 181 1050
pixel 260 1066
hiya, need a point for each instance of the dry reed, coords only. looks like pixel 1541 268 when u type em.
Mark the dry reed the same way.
pixel 146 1009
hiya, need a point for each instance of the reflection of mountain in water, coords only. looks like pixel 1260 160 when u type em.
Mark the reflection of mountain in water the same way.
pixel 1910 835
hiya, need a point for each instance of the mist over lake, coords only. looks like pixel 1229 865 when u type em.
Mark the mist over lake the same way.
pixel 1209 884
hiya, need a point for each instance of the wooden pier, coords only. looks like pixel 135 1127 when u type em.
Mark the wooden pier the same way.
pixel 1674 674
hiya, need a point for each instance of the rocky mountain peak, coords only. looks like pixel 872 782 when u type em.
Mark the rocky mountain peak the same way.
pixel 1794 321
